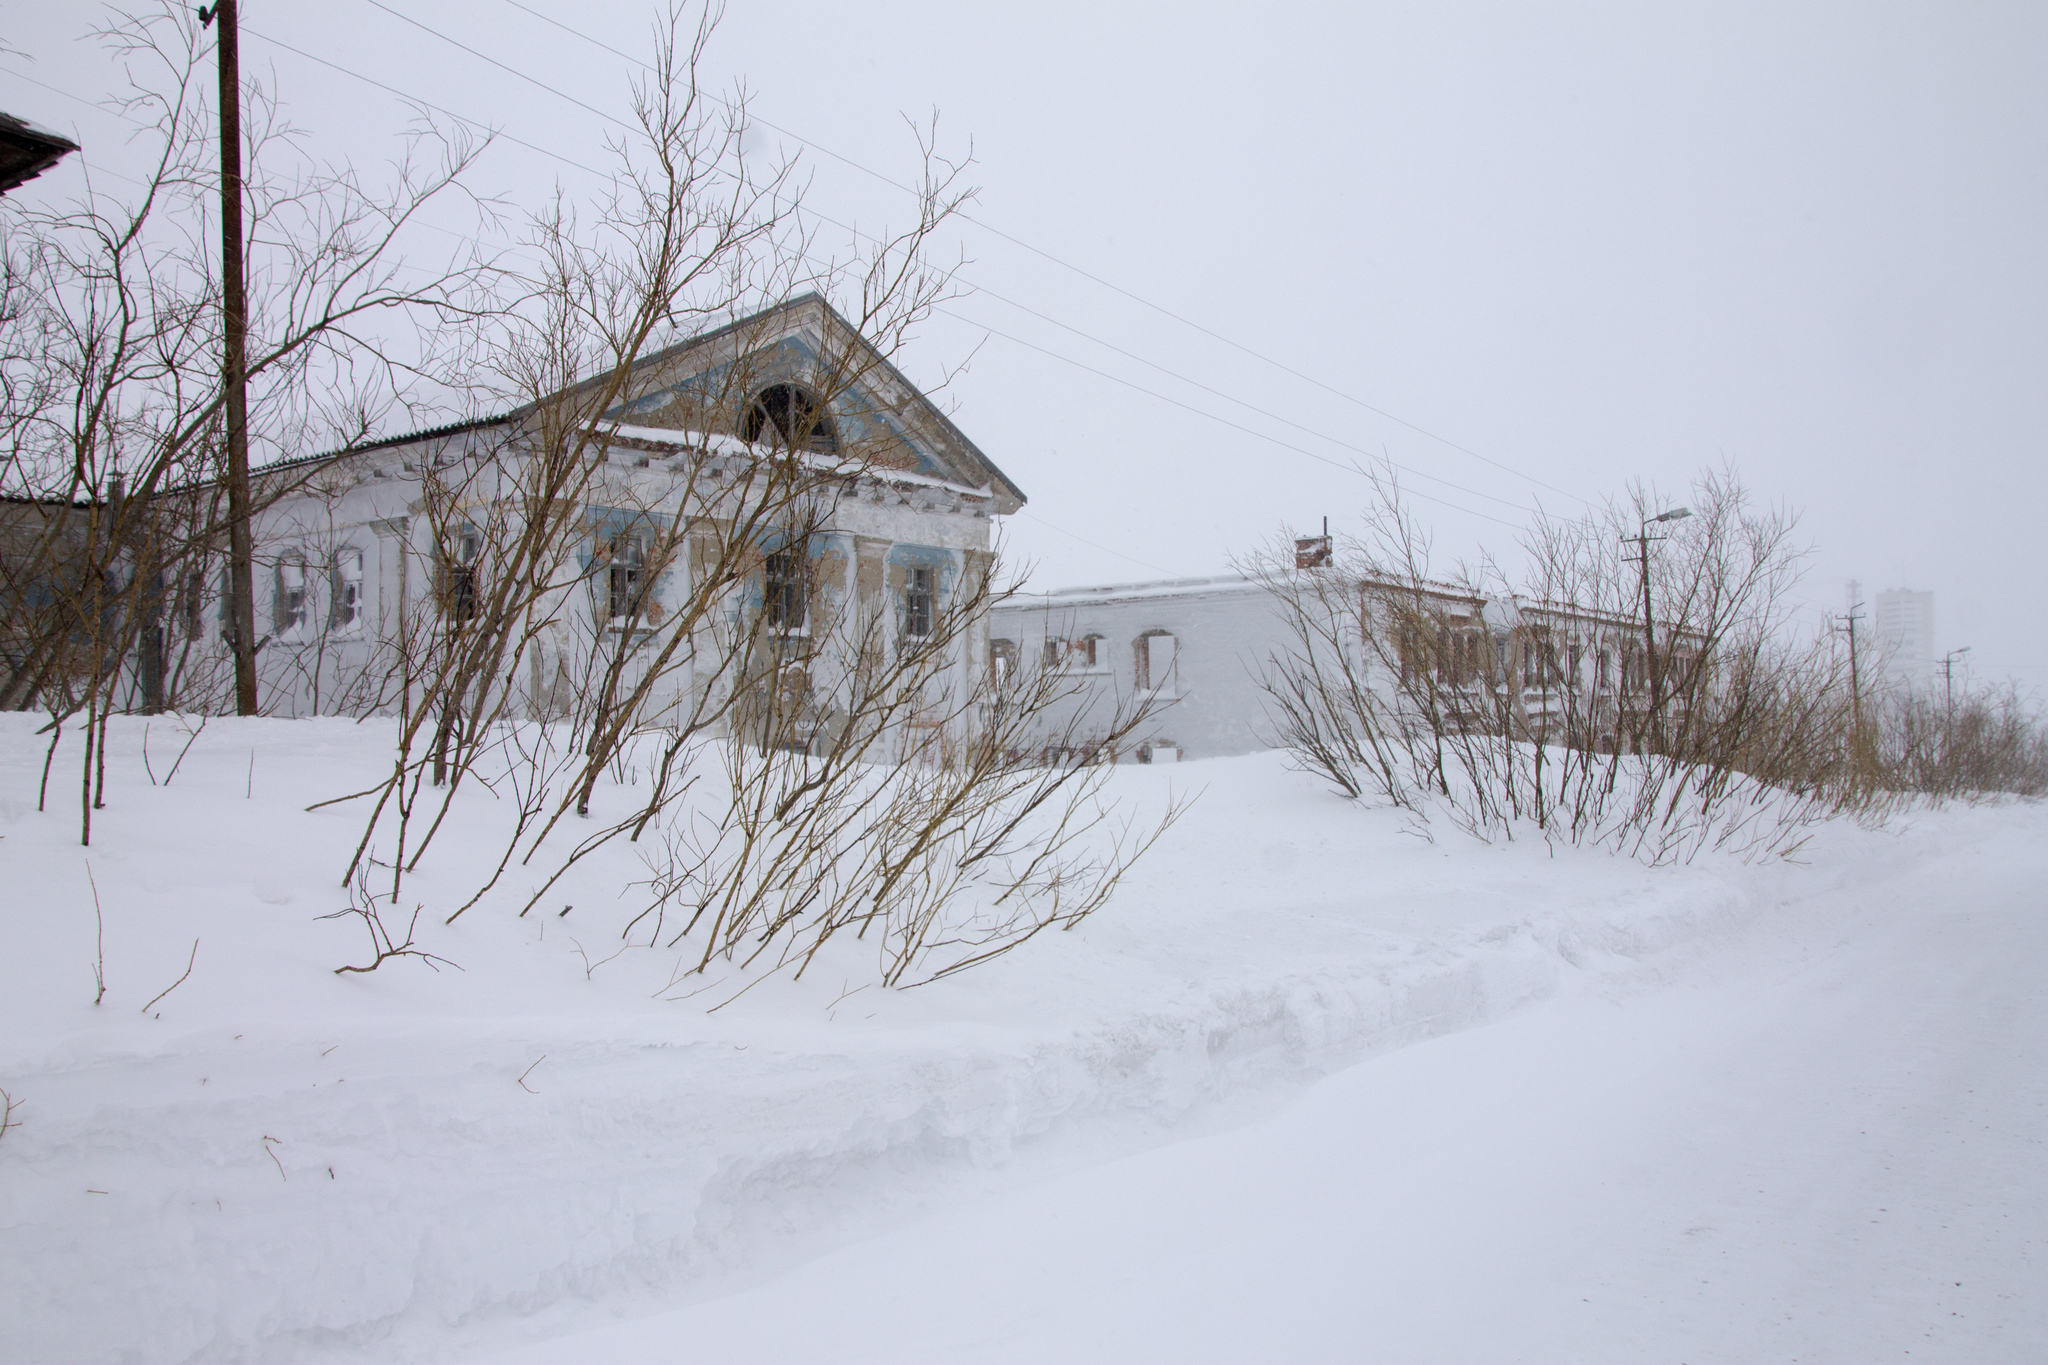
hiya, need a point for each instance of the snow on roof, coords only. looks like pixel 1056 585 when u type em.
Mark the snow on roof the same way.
pixel 719 443
pixel 1123 592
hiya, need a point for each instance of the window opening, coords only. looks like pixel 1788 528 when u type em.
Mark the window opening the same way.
pixel 227 604
pixel 460 596
pixel 918 593
pixel 346 613
pixel 795 416
pixel 626 576
pixel 1156 656
pixel 783 590
pixel 192 595
pixel 288 603
pixel 1002 661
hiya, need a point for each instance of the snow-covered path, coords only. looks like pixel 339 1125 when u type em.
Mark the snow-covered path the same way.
pixel 1828 1141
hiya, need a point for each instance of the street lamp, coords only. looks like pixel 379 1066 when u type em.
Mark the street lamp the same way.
pixel 1642 543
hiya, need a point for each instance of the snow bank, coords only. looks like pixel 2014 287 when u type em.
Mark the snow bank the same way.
pixel 276 1163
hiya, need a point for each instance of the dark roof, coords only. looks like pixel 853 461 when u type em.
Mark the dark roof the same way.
pixel 386 442
pixel 26 151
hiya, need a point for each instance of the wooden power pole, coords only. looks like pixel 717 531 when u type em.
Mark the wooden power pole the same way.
pixel 234 360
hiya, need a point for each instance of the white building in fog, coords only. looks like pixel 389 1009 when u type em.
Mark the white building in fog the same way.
pixel 1904 626
pixel 1194 650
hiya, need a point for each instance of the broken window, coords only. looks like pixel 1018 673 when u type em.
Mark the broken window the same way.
pixel 782 588
pixel 791 416
pixel 1002 661
pixel 227 605
pixel 191 597
pixel 345 614
pixel 1156 656
pixel 920 588
pixel 288 598
pixel 625 576
pixel 1055 652
pixel 458 578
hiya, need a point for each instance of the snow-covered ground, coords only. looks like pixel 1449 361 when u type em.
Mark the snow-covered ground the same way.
pixel 1716 1112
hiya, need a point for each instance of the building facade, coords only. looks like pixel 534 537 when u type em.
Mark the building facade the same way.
pixel 780 454
pixel 1197 650
pixel 1904 625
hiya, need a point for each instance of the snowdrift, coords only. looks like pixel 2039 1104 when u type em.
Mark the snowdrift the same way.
pixel 278 1163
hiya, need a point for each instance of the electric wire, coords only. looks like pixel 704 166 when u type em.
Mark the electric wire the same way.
pixel 1249 431
pixel 560 94
pixel 1066 265
pixel 543 85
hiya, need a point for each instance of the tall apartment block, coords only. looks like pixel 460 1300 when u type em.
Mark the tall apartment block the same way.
pixel 1905 633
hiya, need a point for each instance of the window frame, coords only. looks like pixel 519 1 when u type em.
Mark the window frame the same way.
pixel 785 580
pixel 288 585
pixel 345 592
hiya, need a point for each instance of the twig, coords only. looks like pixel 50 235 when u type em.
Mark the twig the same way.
pixel 8 1104
pixel 99 966
pixel 145 757
pixel 180 981
pixel 385 945
pixel 528 1072
pixel 191 737
pixel 249 793
pixel 267 1140
pixel 588 965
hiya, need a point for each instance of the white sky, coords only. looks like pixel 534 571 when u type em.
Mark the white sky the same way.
pixel 1592 244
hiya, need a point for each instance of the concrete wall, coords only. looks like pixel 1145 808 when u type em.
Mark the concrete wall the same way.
pixel 1222 628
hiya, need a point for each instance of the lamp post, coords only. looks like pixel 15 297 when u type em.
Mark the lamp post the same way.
pixel 1642 540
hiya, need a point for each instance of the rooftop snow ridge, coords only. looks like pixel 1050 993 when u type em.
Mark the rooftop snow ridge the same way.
pixel 733 445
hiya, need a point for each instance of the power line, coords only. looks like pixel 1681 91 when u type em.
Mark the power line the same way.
pixel 1251 431
pixel 1017 241
pixel 1142 563
pixel 1238 426
pixel 425 104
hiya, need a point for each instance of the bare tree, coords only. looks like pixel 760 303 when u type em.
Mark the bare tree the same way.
pixel 110 313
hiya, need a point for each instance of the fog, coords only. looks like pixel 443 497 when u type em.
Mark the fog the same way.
pixel 1223 255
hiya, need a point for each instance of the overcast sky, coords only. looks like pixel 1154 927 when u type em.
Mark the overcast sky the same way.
pixel 1529 252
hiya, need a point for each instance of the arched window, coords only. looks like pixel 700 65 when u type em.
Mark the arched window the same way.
pixel 795 415
pixel 1157 653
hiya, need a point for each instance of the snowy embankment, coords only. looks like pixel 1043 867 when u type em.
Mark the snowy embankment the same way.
pixel 276 1162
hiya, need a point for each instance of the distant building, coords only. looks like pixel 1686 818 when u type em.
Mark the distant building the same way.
pixel 1904 622
pixel 1196 649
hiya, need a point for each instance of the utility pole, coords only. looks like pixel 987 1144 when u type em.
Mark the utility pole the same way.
pixel 234 360
pixel 1642 542
pixel 1948 679
pixel 1855 677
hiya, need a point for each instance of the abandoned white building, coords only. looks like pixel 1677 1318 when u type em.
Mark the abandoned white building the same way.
pixel 882 506
pixel 1197 648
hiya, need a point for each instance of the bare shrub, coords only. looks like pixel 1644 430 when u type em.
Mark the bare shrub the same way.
pixel 943 821
pixel 1988 742
pixel 112 518
pixel 1655 705
pixel 691 602
pixel 384 944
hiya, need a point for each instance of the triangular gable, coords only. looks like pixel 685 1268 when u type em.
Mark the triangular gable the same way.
pixel 707 382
